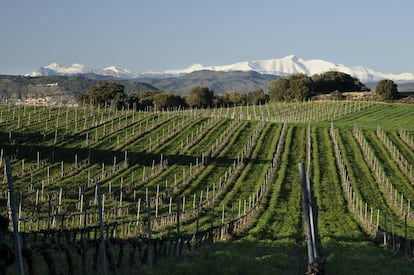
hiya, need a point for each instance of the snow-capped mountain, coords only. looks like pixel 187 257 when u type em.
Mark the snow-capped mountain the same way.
pixel 280 66
pixel 79 69
pixel 292 64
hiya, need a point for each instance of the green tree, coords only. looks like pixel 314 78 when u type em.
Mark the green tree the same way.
pixel 105 94
pixel 133 101
pixel 256 97
pixel 146 99
pixel 167 100
pixel 200 97
pixel 331 81
pixel 387 89
pixel 278 89
pixel 295 87
pixel 300 87
pixel 155 99
pixel 235 98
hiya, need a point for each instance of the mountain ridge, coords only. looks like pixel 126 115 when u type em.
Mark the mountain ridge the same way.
pixel 218 81
pixel 290 64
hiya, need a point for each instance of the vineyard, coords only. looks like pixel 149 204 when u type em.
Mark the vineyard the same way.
pixel 102 191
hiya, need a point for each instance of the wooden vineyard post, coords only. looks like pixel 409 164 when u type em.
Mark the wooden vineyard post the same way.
pixel 49 212
pixel 370 219
pixel 150 250
pixel 306 212
pixel 80 208
pixel 393 234
pixel 222 224
pixel 102 242
pixel 194 201
pixel 14 218
pixel 177 248
pixel 385 229
pixel 156 201
pixel 85 213
pixel 95 200
pixel 407 242
pixel 310 218
pixel 313 217
pixel 378 214
pixel 197 225
pixel 212 220
pixel 138 210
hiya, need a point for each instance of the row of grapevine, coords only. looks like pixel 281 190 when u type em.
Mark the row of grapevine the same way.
pixel 161 180
pixel 399 157
pixel 358 206
pixel 58 196
pixel 303 112
pixel 388 188
pixel 374 222
pixel 406 137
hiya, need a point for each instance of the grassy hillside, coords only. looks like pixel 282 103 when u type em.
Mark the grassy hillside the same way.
pixel 232 173
pixel 219 82
pixel 388 116
pixel 14 87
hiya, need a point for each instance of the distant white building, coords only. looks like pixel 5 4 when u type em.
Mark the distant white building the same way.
pixel 52 85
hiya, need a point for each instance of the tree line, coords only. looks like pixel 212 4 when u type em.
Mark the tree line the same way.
pixel 112 94
pixel 295 87
pixel 300 87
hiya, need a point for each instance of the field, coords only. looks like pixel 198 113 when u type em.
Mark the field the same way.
pixel 210 191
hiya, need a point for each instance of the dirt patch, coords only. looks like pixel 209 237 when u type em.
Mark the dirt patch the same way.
pixel 408 99
pixel 354 96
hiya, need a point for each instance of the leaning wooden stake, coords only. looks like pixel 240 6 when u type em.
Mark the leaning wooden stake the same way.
pixel 150 250
pixel 177 248
pixel 312 211
pixel 306 218
pixel 407 243
pixel 14 217
pixel 102 243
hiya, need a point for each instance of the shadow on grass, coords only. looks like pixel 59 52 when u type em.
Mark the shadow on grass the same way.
pixel 26 149
pixel 238 257
pixel 347 256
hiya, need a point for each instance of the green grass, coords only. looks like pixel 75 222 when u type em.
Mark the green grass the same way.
pixel 356 256
pixel 346 247
pixel 237 257
pixel 274 257
pixel 388 116
pixel 273 241
pixel 253 174
pixel 390 167
pixel 363 181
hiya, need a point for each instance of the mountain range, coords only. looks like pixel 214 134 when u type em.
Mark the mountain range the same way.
pixel 279 66
pixel 218 81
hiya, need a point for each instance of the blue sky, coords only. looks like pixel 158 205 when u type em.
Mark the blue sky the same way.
pixel 155 35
